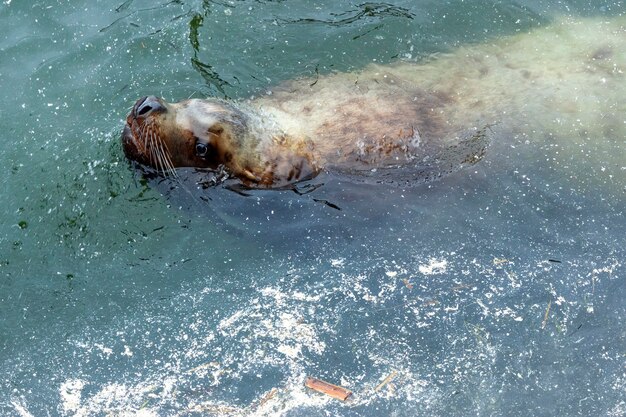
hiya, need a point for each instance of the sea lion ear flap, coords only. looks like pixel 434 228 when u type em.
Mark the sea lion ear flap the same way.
pixel 216 130
pixel 214 134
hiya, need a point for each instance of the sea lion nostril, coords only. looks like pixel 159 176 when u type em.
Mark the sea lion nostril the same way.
pixel 147 105
pixel 144 109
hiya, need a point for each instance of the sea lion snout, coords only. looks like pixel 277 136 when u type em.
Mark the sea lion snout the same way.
pixel 131 146
pixel 141 137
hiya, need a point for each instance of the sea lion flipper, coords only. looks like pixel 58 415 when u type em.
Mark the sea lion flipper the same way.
pixel 239 189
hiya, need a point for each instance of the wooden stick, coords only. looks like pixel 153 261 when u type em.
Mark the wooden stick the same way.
pixel 386 381
pixel 268 397
pixel 334 391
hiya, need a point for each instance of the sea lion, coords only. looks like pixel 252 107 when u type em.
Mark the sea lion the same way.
pixel 265 146
pixel 565 81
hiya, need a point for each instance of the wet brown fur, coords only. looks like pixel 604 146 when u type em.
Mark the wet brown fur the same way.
pixel 381 121
pixel 555 82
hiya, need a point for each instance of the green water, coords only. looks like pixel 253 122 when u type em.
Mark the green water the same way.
pixel 118 300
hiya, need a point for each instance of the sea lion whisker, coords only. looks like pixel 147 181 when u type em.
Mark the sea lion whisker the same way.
pixel 147 142
pixel 168 161
pixel 138 137
pixel 151 154
pixel 154 147
pixel 158 152
pixel 163 159
pixel 168 166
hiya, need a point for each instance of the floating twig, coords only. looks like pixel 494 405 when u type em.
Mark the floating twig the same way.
pixel 267 397
pixel 460 287
pixel 334 391
pixel 386 381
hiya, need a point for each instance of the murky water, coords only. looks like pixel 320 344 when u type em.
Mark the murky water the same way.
pixel 497 290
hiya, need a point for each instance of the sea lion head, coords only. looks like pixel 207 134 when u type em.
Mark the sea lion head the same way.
pixel 191 133
pixel 214 133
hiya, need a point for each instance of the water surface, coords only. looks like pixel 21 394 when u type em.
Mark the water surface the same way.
pixel 496 291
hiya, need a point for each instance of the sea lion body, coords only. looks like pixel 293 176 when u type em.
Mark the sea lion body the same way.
pixel 565 81
pixel 266 146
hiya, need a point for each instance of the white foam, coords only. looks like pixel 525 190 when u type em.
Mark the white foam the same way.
pixel 434 267
pixel 21 409
pixel 70 392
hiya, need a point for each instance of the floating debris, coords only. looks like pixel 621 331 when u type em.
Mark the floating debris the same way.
pixel 334 391
pixel 545 316
pixel 386 381
pixel 268 397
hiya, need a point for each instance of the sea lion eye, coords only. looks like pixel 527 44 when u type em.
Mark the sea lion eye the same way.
pixel 201 149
